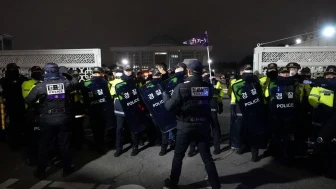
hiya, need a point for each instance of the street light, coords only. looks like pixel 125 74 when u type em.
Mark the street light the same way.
pixel 209 61
pixel 124 61
pixel 298 41
pixel 213 71
pixel 328 31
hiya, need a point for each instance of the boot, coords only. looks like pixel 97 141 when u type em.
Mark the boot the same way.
pixel 163 151
pixel 255 155
pixel 192 152
pixel 135 151
pixel 170 184
pixel 118 153
pixel 217 151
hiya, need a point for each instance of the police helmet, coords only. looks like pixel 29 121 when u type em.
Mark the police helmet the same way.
pixel 36 69
pixel 51 68
pixel 284 70
pixel 330 70
pixel 272 67
pixel 118 69
pixel 97 70
pixel 305 70
pixel 293 65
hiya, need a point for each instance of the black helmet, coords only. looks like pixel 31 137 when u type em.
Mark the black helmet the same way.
pixel 51 68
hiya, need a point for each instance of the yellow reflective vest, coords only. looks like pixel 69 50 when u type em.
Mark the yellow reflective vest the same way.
pixel 220 93
pixel 27 86
pixel 320 95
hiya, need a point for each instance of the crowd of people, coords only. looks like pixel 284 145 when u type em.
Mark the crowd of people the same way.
pixel 278 112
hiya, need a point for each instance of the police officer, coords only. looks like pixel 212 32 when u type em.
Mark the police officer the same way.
pixel 193 122
pixel 162 67
pixel 322 99
pixel 282 102
pixel 126 75
pixel 14 103
pixel 216 108
pixel 98 101
pixel 32 130
pixel 53 96
pixel 271 75
pixel 247 94
pixel 78 110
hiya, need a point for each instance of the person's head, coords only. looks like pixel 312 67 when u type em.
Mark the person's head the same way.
pixel 162 67
pixel 128 70
pixel 293 68
pixel 330 72
pixel 194 68
pixel 36 72
pixel 180 67
pixel 283 72
pixel 246 69
pixel 51 68
pixel 98 72
pixel 139 74
pixel 305 72
pixel 156 74
pixel 12 70
pixel 110 76
pixel 272 70
pixel 75 74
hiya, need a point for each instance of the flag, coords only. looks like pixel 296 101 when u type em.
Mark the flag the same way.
pixel 201 40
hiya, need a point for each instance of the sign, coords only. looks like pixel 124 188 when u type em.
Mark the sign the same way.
pixel 169 84
pixel 132 106
pixel 55 91
pixel 152 95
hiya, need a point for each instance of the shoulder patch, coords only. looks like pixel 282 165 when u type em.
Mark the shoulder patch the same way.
pixel 199 91
pixel 186 82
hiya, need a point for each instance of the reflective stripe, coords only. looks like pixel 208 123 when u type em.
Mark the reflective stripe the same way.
pixel 233 103
pixel 119 112
pixel 239 114
pixel 214 110
pixel 326 91
pixel 315 95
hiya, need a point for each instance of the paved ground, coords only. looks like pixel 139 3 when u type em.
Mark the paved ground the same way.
pixel 148 170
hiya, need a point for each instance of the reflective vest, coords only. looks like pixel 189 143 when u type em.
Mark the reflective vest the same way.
pixel 27 86
pixel 219 92
pixel 320 95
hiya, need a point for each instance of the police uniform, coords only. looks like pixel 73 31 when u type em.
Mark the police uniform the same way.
pixel 120 115
pixel 32 129
pixel 98 102
pixel 191 102
pixel 53 95
pixel 78 113
pixel 249 105
pixel 216 104
pixel 282 102
pixel 272 73
pixel 14 103
pixel 322 99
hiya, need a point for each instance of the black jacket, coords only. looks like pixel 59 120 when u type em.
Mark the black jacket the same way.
pixel 52 111
pixel 191 102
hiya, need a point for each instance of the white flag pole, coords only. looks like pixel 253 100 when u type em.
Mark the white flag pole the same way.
pixel 209 60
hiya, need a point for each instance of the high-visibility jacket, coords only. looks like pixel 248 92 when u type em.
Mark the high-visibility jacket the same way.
pixel 220 92
pixel 320 95
pixel 230 88
pixel 27 86
pixel 264 82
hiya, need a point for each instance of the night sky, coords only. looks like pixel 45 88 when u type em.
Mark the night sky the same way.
pixel 234 27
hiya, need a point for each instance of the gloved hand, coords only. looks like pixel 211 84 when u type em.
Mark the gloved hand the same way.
pixel 165 96
pixel 220 108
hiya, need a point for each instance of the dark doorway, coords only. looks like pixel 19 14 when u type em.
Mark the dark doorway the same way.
pixel 160 58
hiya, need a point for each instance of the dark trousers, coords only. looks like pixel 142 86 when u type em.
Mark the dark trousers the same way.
pixel 121 122
pixel 48 134
pixel 216 130
pixel 201 138
pixel 97 123
pixel 164 136
pixel 78 131
pixel 15 129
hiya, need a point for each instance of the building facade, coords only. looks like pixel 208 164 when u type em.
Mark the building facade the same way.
pixel 160 49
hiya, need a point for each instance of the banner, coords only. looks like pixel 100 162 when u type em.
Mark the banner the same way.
pixel 201 40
